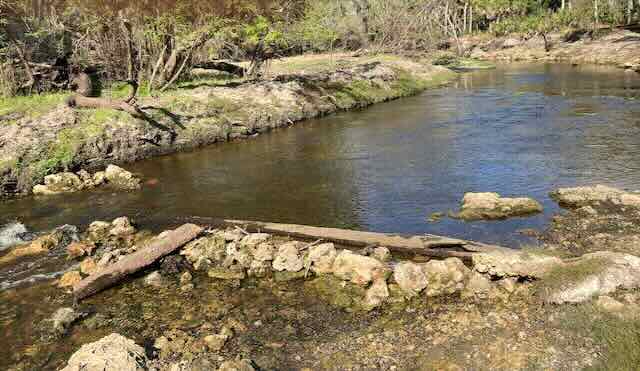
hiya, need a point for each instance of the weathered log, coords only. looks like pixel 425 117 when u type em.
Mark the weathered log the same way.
pixel 223 66
pixel 425 245
pixel 158 248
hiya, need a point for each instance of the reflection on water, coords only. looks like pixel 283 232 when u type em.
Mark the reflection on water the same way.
pixel 516 130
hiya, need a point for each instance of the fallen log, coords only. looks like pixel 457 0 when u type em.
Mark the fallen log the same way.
pixel 425 245
pixel 161 246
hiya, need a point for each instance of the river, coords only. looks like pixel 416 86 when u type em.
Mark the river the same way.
pixel 521 130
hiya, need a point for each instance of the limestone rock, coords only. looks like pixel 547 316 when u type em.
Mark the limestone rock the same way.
pixel 321 258
pixel 98 231
pixel 610 271
pixel 217 341
pixel 122 227
pixel 359 269
pixel 288 257
pixel 88 266
pixel 98 178
pixel 410 277
pixel 59 183
pixel 514 264
pixel 445 276
pixel 78 249
pixel 205 251
pixel 264 252
pixel 477 206
pixel 121 179
pixel 609 304
pixel 255 238
pixel 154 279
pixel 478 287
pixel 227 273
pixel 185 277
pixel 376 294
pixel 381 253
pixel 113 352
pixel 69 279
pixel 593 195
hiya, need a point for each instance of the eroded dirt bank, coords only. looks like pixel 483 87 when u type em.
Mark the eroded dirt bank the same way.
pixel 67 139
pixel 617 48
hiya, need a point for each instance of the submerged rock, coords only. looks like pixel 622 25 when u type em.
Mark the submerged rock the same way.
pixel 154 279
pixel 67 182
pixel 113 352
pixel 217 341
pixel 237 365
pixel 488 205
pixel 594 195
pixel 59 238
pixel 69 279
pixel 62 320
pixel 122 227
pixel 88 266
pixel 359 269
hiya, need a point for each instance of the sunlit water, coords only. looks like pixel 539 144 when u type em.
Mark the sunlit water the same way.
pixel 519 130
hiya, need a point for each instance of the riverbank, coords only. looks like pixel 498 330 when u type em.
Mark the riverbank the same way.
pixel 38 142
pixel 619 48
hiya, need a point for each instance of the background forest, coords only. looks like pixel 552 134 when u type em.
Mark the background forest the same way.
pixel 43 43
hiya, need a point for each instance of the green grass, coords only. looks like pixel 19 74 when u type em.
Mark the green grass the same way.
pixel 32 106
pixel 618 336
pixel 568 274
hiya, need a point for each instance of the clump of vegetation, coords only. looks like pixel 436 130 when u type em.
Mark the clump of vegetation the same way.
pixel 566 275
pixel 618 335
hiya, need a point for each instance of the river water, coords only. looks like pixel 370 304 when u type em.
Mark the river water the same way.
pixel 519 130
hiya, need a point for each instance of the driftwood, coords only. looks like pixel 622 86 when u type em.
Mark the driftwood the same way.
pixel 160 247
pixel 425 245
pixel 223 66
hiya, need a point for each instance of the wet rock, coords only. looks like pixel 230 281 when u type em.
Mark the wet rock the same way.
pixel 445 277
pixel 514 264
pixel 410 277
pixel 233 273
pixel 172 264
pixel 113 352
pixel 85 177
pixel 359 269
pixel 62 320
pixel 106 259
pixel 488 205
pixel 205 251
pixel 594 195
pixel 69 279
pixel 238 365
pixel 255 238
pixel 597 274
pixel 288 257
pixel 122 227
pixel 321 258
pixel 98 178
pixel 119 178
pixel 88 266
pixel 59 183
pixel 376 294
pixel 154 279
pixel 336 292
pixel 216 342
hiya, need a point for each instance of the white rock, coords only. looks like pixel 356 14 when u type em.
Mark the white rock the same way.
pixel 121 179
pixel 382 253
pixel 321 258
pixel 264 252
pixel 288 257
pixel 514 264
pixel 255 238
pixel 359 269
pixel 592 195
pixel 154 279
pixel 445 276
pixel 410 277
pixel 488 205
pixel 113 352
pixel 376 294
pixel 122 227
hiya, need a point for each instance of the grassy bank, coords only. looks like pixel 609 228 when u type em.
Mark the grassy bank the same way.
pixel 48 137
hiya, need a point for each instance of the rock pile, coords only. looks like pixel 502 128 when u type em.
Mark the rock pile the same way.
pixel 68 182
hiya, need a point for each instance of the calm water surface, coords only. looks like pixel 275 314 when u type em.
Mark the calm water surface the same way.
pixel 519 130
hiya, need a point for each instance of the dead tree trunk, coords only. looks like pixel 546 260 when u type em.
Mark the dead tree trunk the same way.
pixel 160 247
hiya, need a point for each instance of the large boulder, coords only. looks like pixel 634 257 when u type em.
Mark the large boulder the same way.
pixel 359 269
pixel 488 205
pixel 121 179
pixel 111 353
pixel 500 264
pixel 594 195
pixel 594 274
pixel 445 277
pixel 321 258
